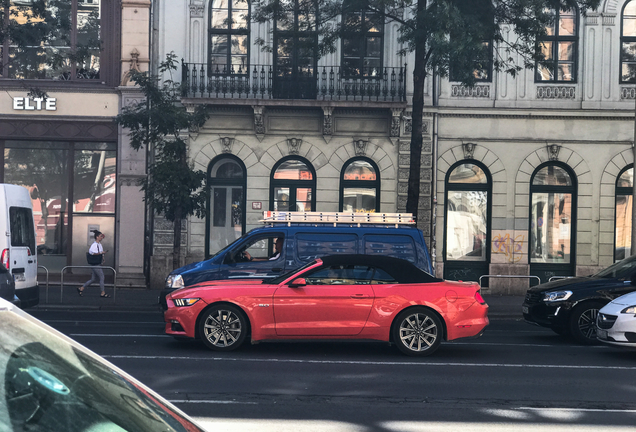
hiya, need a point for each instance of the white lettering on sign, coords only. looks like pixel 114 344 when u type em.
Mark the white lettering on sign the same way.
pixel 34 104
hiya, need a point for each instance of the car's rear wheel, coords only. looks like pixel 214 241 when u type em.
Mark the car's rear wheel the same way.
pixel 417 332
pixel 223 327
pixel 583 322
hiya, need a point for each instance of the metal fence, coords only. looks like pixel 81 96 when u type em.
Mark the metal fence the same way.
pixel 509 277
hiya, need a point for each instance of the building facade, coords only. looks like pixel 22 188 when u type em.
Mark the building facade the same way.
pixel 58 132
pixel 520 176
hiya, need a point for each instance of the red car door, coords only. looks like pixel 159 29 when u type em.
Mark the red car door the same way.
pixel 334 302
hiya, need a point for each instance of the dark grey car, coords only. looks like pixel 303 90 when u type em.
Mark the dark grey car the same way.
pixel 7 286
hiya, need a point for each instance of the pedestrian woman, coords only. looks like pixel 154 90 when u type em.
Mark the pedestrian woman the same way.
pixel 95 257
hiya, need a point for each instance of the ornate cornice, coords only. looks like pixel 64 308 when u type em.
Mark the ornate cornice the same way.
pixel 535 117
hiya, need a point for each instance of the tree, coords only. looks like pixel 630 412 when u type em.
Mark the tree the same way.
pixel 172 187
pixel 444 36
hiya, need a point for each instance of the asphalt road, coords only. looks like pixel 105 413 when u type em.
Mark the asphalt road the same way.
pixel 514 377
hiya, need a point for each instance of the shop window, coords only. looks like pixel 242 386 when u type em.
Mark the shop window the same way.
pixel 552 219
pixel 229 37
pixel 66 40
pixel 94 181
pixel 623 214
pixel 360 186
pixel 226 202
pixel 628 43
pixel 559 48
pixel 468 189
pixel 293 185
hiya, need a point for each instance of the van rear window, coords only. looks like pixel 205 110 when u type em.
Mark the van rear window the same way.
pixel 312 246
pixel 398 246
pixel 22 231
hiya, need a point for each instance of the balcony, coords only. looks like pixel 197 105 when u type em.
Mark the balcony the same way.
pixel 301 84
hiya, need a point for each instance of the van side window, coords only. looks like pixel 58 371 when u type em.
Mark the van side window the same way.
pixel 22 232
pixel 312 246
pixel 398 246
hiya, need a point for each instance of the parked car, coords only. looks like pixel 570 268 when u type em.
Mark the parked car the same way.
pixel 7 286
pixel 570 306
pixel 51 383
pixel 306 236
pixel 335 297
pixel 616 322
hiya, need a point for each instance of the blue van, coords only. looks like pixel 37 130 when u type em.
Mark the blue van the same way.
pixel 255 254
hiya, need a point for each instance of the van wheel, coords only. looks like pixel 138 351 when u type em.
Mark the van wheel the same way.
pixel 583 322
pixel 417 332
pixel 223 328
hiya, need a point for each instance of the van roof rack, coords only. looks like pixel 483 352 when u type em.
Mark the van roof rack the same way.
pixel 338 217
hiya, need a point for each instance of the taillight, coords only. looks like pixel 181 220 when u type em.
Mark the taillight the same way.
pixel 479 298
pixel 29 251
pixel 5 258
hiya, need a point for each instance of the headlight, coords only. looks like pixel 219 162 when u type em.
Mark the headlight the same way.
pixel 629 310
pixel 174 281
pixel 185 302
pixel 555 296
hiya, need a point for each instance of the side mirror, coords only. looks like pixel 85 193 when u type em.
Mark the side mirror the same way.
pixel 298 282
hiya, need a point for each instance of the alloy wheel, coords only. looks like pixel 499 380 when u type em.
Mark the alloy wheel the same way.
pixel 418 332
pixel 222 328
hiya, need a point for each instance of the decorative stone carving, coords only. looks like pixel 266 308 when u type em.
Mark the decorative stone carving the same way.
pixel 134 66
pixel 196 9
pixel 360 147
pixel 327 121
pixel 227 143
pixel 478 91
pixel 553 151
pixel 408 122
pixel 259 120
pixel 469 150
pixel 556 92
pixel 294 145
pixel 395 122
pixel 628 93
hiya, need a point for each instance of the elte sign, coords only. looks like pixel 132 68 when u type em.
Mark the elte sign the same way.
pixel 34 104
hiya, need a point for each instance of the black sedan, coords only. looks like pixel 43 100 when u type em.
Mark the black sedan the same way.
pixel 569 306
pixel 7 286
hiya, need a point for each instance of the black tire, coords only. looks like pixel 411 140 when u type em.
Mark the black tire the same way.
pixel 583 322
pixel 417 332
pixel 223 327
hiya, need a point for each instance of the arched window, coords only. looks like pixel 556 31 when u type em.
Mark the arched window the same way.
pixel 559 48
pixel 362 43
pixel 623 225
pixel 628 43
pixel 360 186
pixel 229 37
pixel 293 185
pixel 552 221
pixel 226 202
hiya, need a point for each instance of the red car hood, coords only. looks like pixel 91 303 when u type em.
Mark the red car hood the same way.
pixel 182 292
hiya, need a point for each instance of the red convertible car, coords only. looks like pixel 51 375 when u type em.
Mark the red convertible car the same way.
pixel 334 297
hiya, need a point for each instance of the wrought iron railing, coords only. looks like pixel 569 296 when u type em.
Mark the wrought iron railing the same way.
pixel 200 80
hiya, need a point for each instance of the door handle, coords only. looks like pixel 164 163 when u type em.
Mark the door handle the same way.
pixel 30 261
pixel 360 296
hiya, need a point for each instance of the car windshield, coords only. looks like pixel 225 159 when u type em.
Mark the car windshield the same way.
pixel 284 277
pixel 620 270
pixel 49 384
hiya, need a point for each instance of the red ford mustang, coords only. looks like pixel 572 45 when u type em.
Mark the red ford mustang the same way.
pixel 335 297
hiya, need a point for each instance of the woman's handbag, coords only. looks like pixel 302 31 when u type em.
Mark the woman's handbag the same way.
pixel 93 259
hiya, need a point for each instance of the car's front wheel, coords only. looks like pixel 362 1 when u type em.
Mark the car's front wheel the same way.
pixel 583 322
pixel 223 327
pixel 417 332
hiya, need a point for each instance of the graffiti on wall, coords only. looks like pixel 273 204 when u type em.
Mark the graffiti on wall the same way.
pixel 510 246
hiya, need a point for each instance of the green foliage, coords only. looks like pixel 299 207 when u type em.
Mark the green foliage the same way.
pixel 173 187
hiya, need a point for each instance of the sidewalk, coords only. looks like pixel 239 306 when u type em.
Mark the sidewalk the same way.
pixel 139 299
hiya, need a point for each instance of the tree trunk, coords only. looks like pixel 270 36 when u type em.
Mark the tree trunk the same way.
pixel 176 246
pixel 415 161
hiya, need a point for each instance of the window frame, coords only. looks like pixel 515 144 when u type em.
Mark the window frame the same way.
pixel 469 187
pixel 629 191
pixel 555 39
pixel 361 37
pixel 211 182
pixel 229 32
pixel 624 39
pixel 110 41
pixel 360 183
pixel 489 62
pixel 292 184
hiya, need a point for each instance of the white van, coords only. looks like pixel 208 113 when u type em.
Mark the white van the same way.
pixel 17 247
